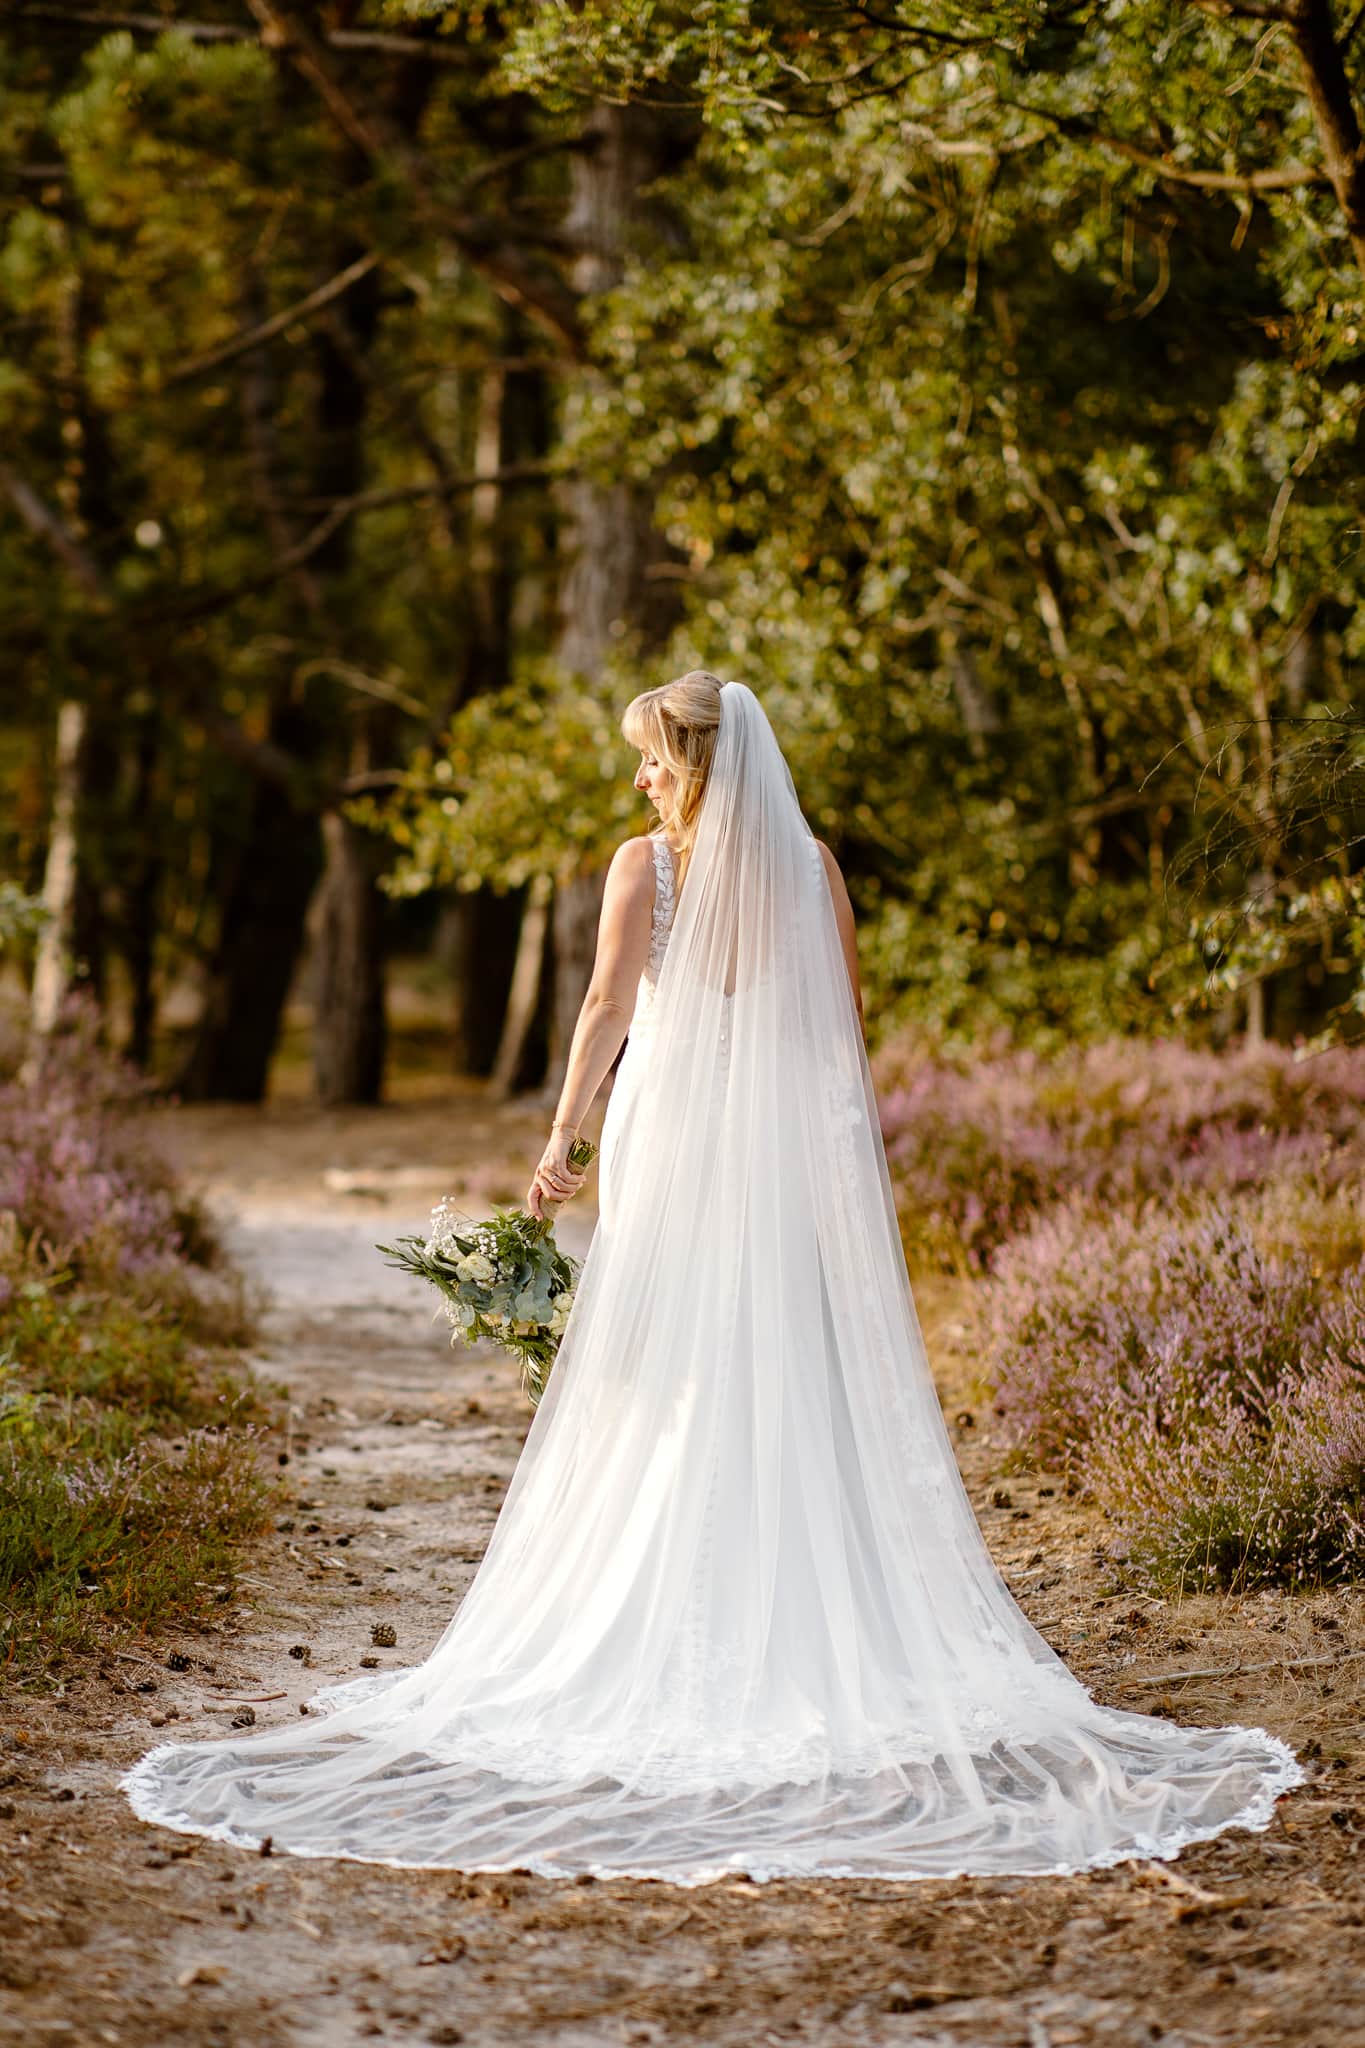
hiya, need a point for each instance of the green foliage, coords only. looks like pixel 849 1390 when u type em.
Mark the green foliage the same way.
pixel 1307 925
pixel 996 376
pixel 130 1470
pixel 534 780
pixel 217 635
pixel 21 916
pixel 1027 472
pixel 144 1364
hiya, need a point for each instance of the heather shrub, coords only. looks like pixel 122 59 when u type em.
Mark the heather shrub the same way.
pixel 1228 1508
pixel 130 1466
pixel 86 1196
pixel 978 1153
pixel 92 1525
pixel 1202 1373
pixel 1290 1215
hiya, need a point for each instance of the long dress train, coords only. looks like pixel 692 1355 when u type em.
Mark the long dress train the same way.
pixel 736 1613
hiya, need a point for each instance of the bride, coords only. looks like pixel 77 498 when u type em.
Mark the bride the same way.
pixel 736 1614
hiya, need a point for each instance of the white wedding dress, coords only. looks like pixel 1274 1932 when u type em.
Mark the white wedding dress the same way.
pixel 736 1614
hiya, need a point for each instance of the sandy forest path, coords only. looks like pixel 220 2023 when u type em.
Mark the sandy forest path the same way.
pixel 399 1451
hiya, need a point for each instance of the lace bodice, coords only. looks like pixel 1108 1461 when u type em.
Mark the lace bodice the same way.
pixel 665 904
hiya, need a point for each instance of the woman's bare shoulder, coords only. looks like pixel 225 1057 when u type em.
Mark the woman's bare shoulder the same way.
pixel 632 866
pixel 635 853
pixel 834 875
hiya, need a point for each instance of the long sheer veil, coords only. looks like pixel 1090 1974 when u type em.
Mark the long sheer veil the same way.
pixel 736 1613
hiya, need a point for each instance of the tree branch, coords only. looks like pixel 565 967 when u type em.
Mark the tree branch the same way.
pixel 500 257
pixel 205 603
pixel 40 518
pixel 1242 10
pixel 263 758
pixel 512 159
pixel 432 48
pixel 542 295
pixel 1335 115
pixel 919 32
pixel 1290 178
pixel 251 337
pixel 365 685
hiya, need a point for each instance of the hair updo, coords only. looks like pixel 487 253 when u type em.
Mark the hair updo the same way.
pixel 678 723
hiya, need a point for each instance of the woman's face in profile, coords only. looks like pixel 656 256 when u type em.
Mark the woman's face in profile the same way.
pixel 654 781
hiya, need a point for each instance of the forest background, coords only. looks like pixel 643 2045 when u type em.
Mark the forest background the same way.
pixel 386 394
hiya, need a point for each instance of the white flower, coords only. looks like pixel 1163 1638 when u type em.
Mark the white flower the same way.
pixel 474 1266
pixel 494 1318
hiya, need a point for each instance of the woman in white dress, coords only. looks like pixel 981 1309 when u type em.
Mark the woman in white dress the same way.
pixel 736 1613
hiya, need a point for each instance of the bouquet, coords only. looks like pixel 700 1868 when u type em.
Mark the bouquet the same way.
pixel 503 1281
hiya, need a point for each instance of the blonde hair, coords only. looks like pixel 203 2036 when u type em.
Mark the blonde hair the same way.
pixel 678 723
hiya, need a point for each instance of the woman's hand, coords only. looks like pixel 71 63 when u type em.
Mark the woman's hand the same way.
pixel 554 1179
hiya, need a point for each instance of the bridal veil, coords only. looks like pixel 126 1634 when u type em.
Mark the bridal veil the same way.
pixel 736 1613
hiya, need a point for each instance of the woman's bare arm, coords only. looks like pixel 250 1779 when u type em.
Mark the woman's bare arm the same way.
pixel 623 934
pixel 843 913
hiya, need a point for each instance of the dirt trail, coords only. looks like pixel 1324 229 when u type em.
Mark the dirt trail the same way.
pixel 399 1453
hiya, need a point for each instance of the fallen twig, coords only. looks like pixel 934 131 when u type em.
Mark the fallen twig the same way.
pixel 669 1928
pixel 1193 1896
pixel 1238 1670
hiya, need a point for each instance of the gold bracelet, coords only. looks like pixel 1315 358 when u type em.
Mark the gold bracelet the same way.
pixel 557 1126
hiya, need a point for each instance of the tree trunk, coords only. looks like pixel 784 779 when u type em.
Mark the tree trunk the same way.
pixel 73 939
pixel 523 997
pixel 488 646
pixel 607 592
pixel 1335 113
pixel 578 904
pixel 99 838
pixel 485 925
pixel 142 891
pixel 980 719
pixel 269 879
pixel 349 1031
pixel 349 1035
pixel 349 1038
pixel 476 949
pixel 53 965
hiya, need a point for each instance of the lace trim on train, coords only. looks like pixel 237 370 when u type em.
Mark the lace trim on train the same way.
pixel 156 1788
pixel 666 1764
